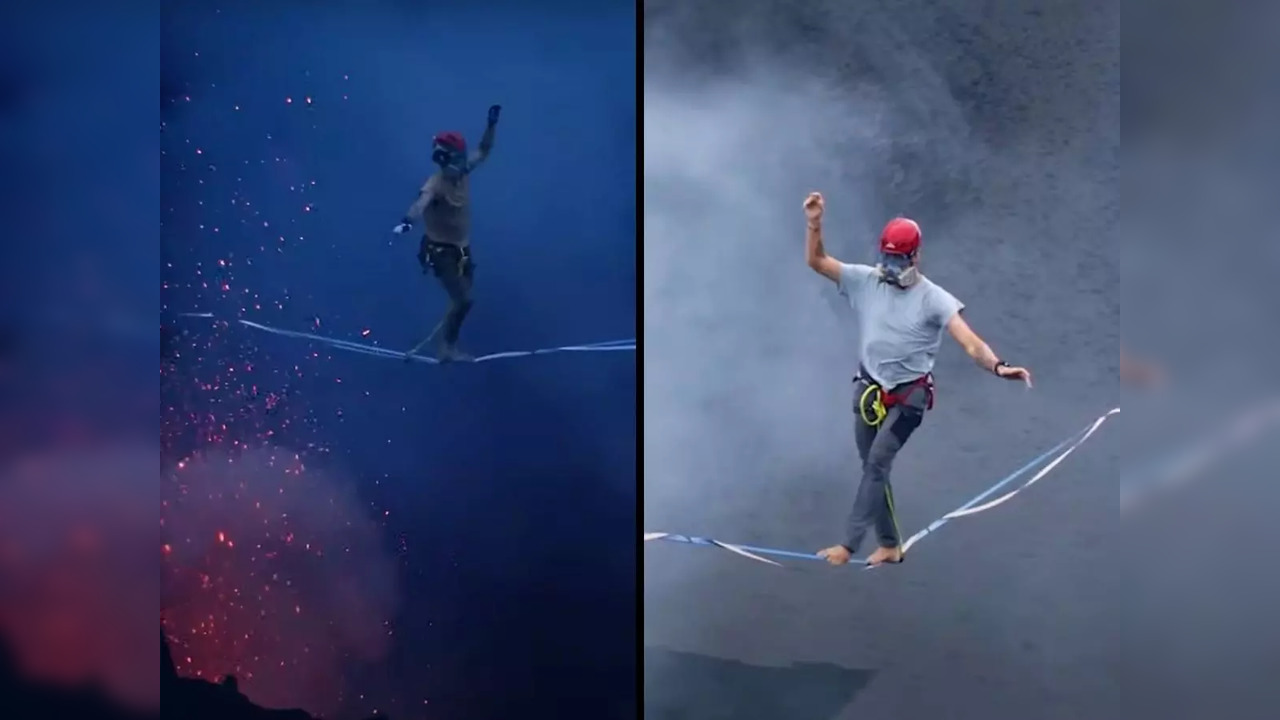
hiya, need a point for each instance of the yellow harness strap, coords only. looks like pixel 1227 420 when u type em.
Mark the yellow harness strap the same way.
pixel 876 406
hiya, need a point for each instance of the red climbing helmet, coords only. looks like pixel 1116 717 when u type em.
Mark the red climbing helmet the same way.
pixel 449 150
pixel 899 243
pixel 900 237
pixel 450 141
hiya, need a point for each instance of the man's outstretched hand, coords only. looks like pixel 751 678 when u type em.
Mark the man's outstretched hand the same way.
pixel 494 112
pixel 1010 372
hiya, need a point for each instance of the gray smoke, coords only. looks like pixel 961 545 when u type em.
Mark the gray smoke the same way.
pixel 747 351
pixel 1011 169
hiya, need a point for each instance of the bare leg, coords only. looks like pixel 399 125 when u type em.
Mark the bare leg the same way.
pixel 423 343
pixel 455 276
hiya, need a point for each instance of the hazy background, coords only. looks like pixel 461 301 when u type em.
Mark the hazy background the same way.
pixel 79 190
pixel 1200 228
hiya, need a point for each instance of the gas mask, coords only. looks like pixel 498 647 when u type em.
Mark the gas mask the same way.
pixel 899 249
pixel 449 151
pixel 899 270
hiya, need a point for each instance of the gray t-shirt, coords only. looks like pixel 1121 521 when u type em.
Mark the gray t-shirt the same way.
pixel 900 330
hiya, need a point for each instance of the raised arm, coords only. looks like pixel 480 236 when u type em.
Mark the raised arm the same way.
pixel 481 153
pixel 982 353
pixel 814 253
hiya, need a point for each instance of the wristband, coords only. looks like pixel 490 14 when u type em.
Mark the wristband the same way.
pixel 995 369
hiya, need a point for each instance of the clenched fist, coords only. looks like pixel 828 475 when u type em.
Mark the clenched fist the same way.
pixel 814 206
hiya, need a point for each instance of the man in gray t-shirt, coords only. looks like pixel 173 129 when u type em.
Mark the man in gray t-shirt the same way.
pixel 901 317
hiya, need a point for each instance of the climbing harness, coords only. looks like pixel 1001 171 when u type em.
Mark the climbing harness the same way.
pixel 442 259
pixel 877 401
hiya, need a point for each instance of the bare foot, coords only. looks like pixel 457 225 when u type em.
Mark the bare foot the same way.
pixel 836 554
pixel 885 555
pixel 453 354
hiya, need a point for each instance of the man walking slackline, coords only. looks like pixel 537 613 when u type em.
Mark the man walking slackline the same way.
pixel 901 317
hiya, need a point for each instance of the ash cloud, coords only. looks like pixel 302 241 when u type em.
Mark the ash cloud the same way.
pixel 79 583
pixel 275 572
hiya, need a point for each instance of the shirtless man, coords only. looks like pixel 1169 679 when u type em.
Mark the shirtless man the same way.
pixel 901 316
pixel 444 208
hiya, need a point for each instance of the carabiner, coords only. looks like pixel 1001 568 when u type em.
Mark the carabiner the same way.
pixel 878 410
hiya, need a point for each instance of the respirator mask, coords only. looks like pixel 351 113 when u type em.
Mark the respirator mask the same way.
pixel 449 151
pixel 899 250
pixel 899 270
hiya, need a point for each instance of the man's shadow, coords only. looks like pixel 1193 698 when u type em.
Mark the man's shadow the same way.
pixel 688 686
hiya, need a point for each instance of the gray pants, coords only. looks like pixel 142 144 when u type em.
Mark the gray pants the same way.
pixel 877 447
